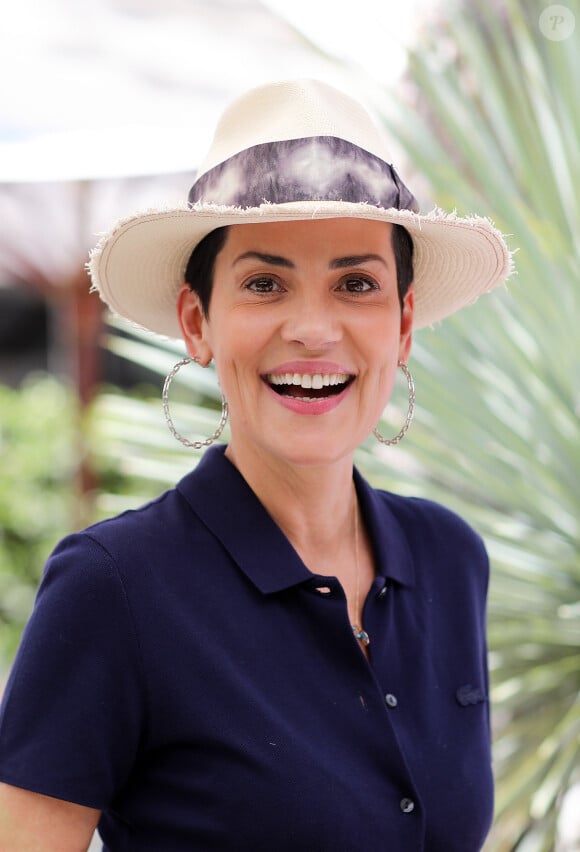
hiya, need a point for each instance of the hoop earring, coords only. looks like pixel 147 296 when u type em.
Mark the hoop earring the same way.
pixel 196 445
pixel 410 411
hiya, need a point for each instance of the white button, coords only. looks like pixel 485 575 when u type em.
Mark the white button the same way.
pixel 407 805
pixel 391 700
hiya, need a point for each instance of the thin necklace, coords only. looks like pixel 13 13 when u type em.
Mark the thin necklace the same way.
pixel 359 633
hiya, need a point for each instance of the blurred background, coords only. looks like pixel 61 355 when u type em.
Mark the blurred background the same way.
pixel 107 106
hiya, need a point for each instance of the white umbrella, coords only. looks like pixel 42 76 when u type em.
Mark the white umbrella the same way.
pixel 100 89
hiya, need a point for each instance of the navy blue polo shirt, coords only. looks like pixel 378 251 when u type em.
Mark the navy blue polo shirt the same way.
pixel 186 673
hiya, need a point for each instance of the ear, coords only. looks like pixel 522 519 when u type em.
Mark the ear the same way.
pixel 193 325
pixel 407 314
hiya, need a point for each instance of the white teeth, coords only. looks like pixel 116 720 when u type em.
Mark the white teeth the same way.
pixel 317 382
pixel 308 380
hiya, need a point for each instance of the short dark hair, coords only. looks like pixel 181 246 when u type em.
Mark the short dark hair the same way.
pixel 200 267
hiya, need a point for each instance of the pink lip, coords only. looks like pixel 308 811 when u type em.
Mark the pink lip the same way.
pixel 313 367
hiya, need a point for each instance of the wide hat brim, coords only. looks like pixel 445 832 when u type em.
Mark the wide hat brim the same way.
pixel 139 267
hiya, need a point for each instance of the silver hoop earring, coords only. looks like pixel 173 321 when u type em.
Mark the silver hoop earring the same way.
pixel 196 445
pixel 410 411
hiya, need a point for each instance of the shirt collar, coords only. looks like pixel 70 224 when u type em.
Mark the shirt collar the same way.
pixel 228 507
pixel 389 541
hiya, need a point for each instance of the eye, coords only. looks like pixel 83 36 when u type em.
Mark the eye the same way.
pixel 263 284
pixel 358 284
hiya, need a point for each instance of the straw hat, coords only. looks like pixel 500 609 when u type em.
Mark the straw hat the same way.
pixel 291 151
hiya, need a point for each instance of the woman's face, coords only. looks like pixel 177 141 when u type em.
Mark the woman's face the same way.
pixel 306 329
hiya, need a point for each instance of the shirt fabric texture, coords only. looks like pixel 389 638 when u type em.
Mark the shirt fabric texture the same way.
pixel 187 674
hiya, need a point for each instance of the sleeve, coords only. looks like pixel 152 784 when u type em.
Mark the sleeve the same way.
pixel 73 713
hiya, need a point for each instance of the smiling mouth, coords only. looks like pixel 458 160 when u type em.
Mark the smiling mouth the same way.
pixel 308 387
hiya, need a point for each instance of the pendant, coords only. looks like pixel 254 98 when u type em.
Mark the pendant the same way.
pixel 360 634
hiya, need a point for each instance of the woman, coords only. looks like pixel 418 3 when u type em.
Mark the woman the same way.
pixel 272 655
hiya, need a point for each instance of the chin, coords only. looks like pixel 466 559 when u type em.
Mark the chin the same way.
pixel 315 452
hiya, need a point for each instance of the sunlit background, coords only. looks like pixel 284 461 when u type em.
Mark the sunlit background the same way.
pixel 102 89
pixel 107 106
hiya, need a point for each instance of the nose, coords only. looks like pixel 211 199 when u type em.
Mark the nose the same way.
pixel 312 322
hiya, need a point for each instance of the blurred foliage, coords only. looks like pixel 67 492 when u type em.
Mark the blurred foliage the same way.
pixel 38 440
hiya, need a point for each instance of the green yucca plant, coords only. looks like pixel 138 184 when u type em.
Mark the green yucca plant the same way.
pixel 493 121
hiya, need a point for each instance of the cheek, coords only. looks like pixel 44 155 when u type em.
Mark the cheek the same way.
pixel 236 364
pixel 382 386
pixel 381 345
pixel 241 336
pixel 382 371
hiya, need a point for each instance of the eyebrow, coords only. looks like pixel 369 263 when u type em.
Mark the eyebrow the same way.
pixel 271 259
pixel 337 263
pixel 356 260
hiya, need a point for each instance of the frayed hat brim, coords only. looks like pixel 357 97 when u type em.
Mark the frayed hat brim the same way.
pixel 139 266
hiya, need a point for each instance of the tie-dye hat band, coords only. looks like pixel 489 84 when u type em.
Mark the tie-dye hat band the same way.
pixel 315 168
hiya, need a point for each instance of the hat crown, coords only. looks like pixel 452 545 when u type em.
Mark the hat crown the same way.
pixel 293 109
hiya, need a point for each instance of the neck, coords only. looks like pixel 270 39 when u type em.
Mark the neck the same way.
pixel 313 505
